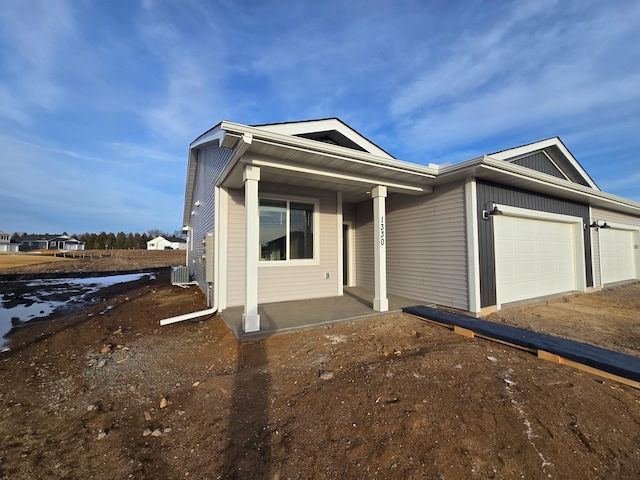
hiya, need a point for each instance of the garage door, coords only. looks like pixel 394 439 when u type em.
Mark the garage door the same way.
pixel 616 255
pixel 533 258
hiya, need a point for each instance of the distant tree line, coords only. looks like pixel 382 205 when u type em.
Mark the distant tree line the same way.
pixel 112 241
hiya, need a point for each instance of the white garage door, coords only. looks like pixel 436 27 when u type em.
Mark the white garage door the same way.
pixel 616 255
pixel 533 258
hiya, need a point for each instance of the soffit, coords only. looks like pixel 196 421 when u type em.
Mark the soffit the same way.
pixel 303 167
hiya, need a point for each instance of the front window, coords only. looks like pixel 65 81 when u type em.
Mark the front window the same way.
pixel 286 230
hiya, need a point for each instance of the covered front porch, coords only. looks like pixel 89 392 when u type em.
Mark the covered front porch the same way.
pixel 286 317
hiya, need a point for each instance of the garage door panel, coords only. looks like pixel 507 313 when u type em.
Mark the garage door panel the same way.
pixel 533 258
pixel 616 255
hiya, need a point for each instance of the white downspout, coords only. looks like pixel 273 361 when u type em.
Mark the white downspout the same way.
pixel 245 142
pixel 189 316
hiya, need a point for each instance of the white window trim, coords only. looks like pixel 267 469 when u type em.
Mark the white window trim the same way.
pixel 316 232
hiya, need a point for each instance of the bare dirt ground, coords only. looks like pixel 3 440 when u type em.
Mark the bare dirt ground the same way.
pixel 391 397
pixel 93 261
pixel 608 319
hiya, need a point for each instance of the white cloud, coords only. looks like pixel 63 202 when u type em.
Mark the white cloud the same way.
pixel 34 31
pixel 535 70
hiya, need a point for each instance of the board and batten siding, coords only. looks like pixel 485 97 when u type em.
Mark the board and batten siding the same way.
pixel 505 195
pixel 539 161
pixel 278 283
pixel 210 164
pixel 426 246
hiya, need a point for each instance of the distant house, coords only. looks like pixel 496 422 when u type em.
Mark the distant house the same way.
pixel 50 242
pixel 6 244
pixel 167 243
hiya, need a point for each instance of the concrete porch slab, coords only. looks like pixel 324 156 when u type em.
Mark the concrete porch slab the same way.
pixel 285 317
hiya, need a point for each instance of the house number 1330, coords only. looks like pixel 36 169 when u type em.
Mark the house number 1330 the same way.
pixel 381 230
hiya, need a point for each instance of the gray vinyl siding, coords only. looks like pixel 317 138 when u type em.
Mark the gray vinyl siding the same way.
pixel 235 248
pixel 538 161
pixel 348 212
pixel 504 195
pixel 364 244
pixel 426 246
pixel 614 217
pixel 211 163
pixel 284 282
pixel 610 217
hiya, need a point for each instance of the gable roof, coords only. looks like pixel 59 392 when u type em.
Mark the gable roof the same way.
pixel 285 155
pixel 328 130
pixel 168 239
pixel 290 157
pixel 560 161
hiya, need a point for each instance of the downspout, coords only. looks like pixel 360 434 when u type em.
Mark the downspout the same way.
pixel 189 316
pixel 242 147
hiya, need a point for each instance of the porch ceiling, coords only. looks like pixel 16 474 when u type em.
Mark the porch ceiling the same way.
pixel 280 164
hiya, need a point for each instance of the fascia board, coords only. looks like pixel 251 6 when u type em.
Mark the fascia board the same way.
pixel 338 177
pixel 190 185
pixel 613 201
pixel 565 151
pixel 325 148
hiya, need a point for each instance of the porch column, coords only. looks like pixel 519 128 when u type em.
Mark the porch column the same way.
pixel 380 301
pixel 250 317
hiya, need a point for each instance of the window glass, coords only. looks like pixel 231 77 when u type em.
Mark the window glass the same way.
pixel 286 230
pixel 273 229
pixel 301 230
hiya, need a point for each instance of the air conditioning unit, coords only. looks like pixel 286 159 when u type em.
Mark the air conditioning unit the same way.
pixel 180 275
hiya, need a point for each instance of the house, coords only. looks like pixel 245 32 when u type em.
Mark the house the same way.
pixel 167 243
pixel 50 242
pixel 301 210
pixel 6 244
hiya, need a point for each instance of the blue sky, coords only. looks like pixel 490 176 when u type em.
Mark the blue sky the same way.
pixel 99 100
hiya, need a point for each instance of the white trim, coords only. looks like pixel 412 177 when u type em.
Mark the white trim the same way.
pixel 593 257
pixel 340 289
pixel 380 300
pixel 473 246
pixel 578 238
pixel 316 232
pixel 538 214
pixel 555 165
pixel 250 317
pixel 343 178
pixel 313 146
pixel 298 128
pixel 222 242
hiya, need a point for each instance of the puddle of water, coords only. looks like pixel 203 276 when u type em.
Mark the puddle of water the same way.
pixel 43 297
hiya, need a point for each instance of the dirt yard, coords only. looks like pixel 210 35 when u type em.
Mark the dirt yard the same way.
pixel 117 396
pixel 93 261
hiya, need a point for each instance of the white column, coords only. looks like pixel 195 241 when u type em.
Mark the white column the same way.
pixel 473 249
pixel 340 244
pixel 250 317
pixel 380 301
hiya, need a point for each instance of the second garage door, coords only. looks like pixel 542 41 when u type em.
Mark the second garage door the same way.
pixel 616 255
pixel 533 258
